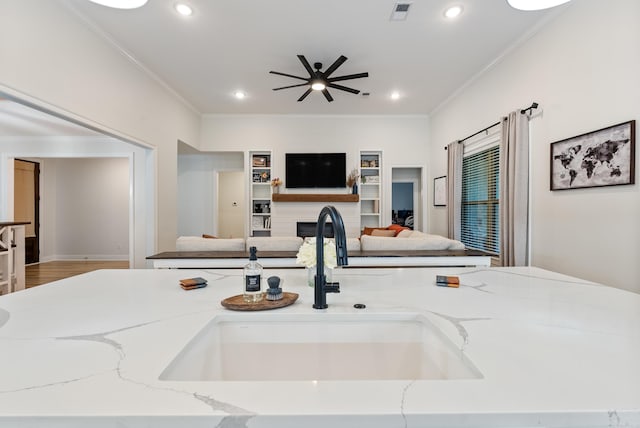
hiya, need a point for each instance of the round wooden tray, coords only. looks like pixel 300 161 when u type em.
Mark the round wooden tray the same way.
pixel 237 303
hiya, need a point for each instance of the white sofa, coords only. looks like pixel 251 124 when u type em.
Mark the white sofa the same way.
pixel 262 243
pixel 274 243
pixel 409 240
pixel 197 243
pixel 405 241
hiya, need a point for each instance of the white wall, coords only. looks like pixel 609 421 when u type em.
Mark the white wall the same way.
pixel 582 68
pixel 55 61
pixel 402 140
pixel 197 184
pixel 139 190
pixel 89 216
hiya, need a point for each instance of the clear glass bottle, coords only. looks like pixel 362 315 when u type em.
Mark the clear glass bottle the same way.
pixel 252 276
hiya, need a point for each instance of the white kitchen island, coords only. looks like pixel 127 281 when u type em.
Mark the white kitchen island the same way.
pixel 548 351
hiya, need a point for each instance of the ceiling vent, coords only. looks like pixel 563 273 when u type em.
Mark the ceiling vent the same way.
pixel 400 11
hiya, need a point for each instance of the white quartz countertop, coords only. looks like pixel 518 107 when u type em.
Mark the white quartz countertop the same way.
pixel 553 351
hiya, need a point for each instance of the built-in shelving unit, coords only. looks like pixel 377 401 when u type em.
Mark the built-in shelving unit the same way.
pixel 260 176
pixel 371 182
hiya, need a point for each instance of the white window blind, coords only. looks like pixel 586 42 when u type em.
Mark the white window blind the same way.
pixel 480 222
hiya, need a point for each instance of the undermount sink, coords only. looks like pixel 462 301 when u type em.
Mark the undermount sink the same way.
pixel 298 347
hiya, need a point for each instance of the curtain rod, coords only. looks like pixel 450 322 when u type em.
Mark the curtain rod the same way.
pixel 523 111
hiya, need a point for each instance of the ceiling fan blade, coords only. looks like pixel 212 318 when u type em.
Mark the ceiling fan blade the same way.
pixel 348 77
pixel 289 75
pixel 305 94
pixel 343 88
pixel 334 66
pixel 292 86
pixel 307 66
pixel 327 95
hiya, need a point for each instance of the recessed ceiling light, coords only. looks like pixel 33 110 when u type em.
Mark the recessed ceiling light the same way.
pixel 453 12
pixel 183 9
pixel 239 95
pixel 121 4
pixel 535 4
pixel 395 95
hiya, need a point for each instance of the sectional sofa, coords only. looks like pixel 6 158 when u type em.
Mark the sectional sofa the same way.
pixel 376 248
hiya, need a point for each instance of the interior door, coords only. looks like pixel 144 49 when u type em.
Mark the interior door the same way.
pixel 26 205
pixel 231 212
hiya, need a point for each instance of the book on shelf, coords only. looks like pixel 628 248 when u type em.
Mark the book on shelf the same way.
pixel 257 223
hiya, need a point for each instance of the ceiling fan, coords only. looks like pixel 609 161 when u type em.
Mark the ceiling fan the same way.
pixel 320 80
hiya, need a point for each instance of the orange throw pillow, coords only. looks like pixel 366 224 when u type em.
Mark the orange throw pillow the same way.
pixel 397 228
pixel 384 232
pixel 369 230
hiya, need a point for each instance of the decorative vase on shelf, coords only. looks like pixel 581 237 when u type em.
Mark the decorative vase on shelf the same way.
pixel 354 189
pixel 276 189
pixel 311 275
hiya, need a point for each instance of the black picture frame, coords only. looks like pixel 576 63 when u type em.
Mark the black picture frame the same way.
pixel 605 157
pixel 440 191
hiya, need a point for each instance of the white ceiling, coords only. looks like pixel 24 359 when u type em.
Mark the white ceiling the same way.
pixel 232 45
pixel 228 45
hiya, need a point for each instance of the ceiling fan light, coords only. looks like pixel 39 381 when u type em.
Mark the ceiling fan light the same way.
pixel 121 4
pixel 318 85
pixel 535 4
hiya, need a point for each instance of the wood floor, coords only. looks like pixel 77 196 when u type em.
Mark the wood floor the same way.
pixel 43 273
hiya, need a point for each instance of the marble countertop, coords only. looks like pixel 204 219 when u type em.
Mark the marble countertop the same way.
pixel 554 351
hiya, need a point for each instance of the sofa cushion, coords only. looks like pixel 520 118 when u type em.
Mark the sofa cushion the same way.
pixel 405 233
pixel 274 243
pixel 427 242
pixel 387 233
pixel 353 244
pixel 196 243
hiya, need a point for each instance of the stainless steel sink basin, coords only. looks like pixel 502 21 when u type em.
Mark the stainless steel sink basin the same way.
pixel 297 347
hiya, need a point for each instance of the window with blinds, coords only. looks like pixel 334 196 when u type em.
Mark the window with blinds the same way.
pixel 480 223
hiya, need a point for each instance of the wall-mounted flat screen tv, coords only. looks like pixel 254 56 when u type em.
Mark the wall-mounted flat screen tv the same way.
pixel 315 170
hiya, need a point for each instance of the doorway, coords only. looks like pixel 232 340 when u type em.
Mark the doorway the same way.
pixel 406 197
pixel 402 204
pixel 231 212
pixel 26 206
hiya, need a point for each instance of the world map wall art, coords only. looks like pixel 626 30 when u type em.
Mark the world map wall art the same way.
pixel 605 157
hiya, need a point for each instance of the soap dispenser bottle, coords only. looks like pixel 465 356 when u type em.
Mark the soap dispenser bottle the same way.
pixel 252 278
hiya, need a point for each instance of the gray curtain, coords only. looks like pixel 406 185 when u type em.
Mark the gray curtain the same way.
pixel 454 189
pixel 514 190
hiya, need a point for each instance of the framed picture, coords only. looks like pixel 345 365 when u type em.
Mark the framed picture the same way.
pixel 440 191
pixel 605 157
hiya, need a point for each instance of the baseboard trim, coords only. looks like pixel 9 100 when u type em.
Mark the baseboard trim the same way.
pixel 83 258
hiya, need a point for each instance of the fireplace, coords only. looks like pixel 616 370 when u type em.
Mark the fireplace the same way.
pixel 306 229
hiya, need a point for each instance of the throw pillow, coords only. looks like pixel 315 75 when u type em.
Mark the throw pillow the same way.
pixel 397 228
pixel 386 233
pixel 369 230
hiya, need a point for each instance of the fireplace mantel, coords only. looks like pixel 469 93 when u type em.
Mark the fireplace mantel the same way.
pixel 314 197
